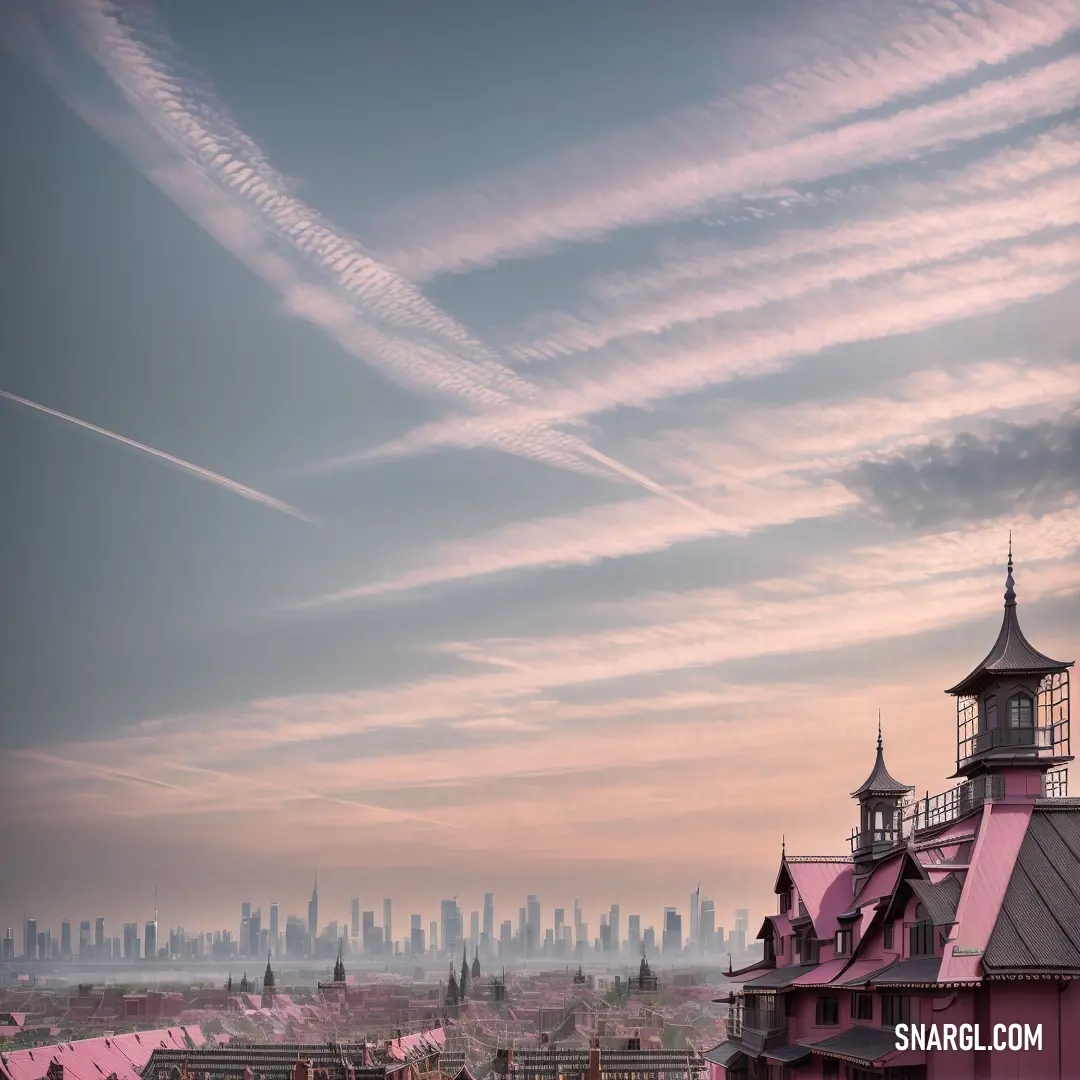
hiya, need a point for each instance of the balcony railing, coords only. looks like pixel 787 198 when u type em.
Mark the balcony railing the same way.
pixel 865 839
pixel 764 1020
pixel 1009 738
pixel 935 810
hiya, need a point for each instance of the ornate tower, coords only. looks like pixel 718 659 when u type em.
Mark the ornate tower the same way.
pixel 880 800
pixel 464 973
pixel 268 984
pixel 1012 712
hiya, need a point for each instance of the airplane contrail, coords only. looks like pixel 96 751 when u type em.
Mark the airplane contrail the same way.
pixel 234 486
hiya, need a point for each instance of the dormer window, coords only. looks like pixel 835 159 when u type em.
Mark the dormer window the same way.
pixel 921 934
pixel 1021 714
pixel 843 942
pixel 785 902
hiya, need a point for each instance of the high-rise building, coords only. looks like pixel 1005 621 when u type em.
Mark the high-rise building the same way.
pixel 707 926
pixel 474 930
pixel 100 944
pixel 296 943
pixel 672 942
pixel 577 921
pixel 131 941
pixel 368 932
pixel 388 933
pixel 7 951
pixel 255 933
pixel 30 940
pixel 84 939
pixel 150 940
pixel 506 937
pixel 648 940
pixel 489 919
pixel 416 935
pixel 560 918
pixel 433 936
pixel 245 911
pixel 633 934
pixel 450 917
pixel 616 928
pixel 532 932
pixel 65 939
pixel 695 914
pixel 313 916
pixel 355 912
pixel 274 933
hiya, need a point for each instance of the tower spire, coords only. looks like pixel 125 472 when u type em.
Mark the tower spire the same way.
pixel 1010 585
pixel 879 746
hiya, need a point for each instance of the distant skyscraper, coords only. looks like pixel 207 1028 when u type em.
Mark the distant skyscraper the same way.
pixel 506 937
pixel 7 951
pixel 245 910
pixel 616 928
pixel 84 939
pixel 560 918
pixel 648 940
pixel 633 934
pixel 388 934
pixel 255 933
pixel 30 939
pixel 433 934
pixel 356 916
pixel 100 944
pixel 672 942
pixel 533 935
pixel 451 926
pixel 707 926
pixel 313 915
pixel 489 918
pixel 368 931
pixel 474 929
pixel 274 934
pixel 65 939
pixel 150 940
pixel 131 941
pixel 695 915
pixel 578 936
pixel 295 936
pixel 416 935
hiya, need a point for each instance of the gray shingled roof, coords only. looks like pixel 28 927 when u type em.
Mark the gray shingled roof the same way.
pixel 879 782
pixel 778 977
pixel 725 1053
pixel 1012 652
pixel 940 900
pixel 923 969
pixel 791 1054
pixel 861 1043
pixel 1038 926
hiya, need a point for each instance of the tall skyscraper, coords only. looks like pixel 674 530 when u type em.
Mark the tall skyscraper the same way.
pixel 433 935
pixel 100 944
pixel 451 926
pixel 245 910
pixel 633 934
pixel 577 921
pixel 274 934
pixel 560 917
pixel 707 926
pixel 388 933
pixel 489 919
pixel 65 939
pixel 255 933
pixel 672 940
pixel 416 935
pixel 30 940
pixel 695 913
pixel 474 930
pixel 368 932
pixel 313 915
pixel 84 940
pixel 533 935
pixel 131 941
pixel 616 928
pixel 355 916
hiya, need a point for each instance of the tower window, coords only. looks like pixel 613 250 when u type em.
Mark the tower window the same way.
pixel 1020 712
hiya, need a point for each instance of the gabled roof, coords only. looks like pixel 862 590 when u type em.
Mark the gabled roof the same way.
pixel 940 900
pixel 824 888
pixel 862 1043
pixel 1012 653
pixel 728 1053
pixel 1038 926
pixel 879 782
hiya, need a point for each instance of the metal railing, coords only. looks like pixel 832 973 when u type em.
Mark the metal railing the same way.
pixel 1012 738
pixel 935 810
pixel 863 839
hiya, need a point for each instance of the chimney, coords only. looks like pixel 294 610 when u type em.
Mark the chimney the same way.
pixel 594 1060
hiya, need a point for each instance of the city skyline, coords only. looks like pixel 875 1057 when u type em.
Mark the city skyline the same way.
pixel 528 445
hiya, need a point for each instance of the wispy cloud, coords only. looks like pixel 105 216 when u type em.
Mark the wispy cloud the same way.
pixel 763 137
pixel 217 479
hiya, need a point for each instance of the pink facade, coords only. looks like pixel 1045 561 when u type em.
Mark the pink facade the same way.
pixel 947 945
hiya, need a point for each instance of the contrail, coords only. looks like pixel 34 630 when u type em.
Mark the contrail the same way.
pixel 234 486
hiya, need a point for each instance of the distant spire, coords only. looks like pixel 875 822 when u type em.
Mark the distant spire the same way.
pixel 879 746
pixel 783 844
pixel 1010 585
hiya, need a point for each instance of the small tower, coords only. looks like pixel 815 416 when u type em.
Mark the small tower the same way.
pixel 476 965
pixel 245 986
pixel 1012 711
pixel 464 974
pixel 339 966
pixel 881 801
pixel 451 987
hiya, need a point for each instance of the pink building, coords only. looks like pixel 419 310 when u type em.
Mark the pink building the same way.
pixel 954 923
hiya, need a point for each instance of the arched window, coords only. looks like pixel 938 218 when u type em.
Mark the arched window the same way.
pixel 1021 714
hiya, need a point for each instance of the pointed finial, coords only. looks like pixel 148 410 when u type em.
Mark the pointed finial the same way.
pixel 1010 585
pixel 783 845
pixel 879 730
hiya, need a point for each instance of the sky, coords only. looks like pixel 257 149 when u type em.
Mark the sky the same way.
pixel 515 448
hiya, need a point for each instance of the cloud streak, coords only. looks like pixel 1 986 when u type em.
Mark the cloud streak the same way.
pixel 223 482
pixel 764 137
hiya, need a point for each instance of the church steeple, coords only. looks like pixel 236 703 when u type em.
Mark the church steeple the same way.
pixel 476 964
pixel 464 972
pixel 1012 709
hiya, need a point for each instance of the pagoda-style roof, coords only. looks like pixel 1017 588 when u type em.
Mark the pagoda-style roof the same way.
pixel 879 782
pixel 1012 653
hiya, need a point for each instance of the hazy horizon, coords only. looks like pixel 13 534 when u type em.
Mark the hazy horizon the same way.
pixel 518 448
